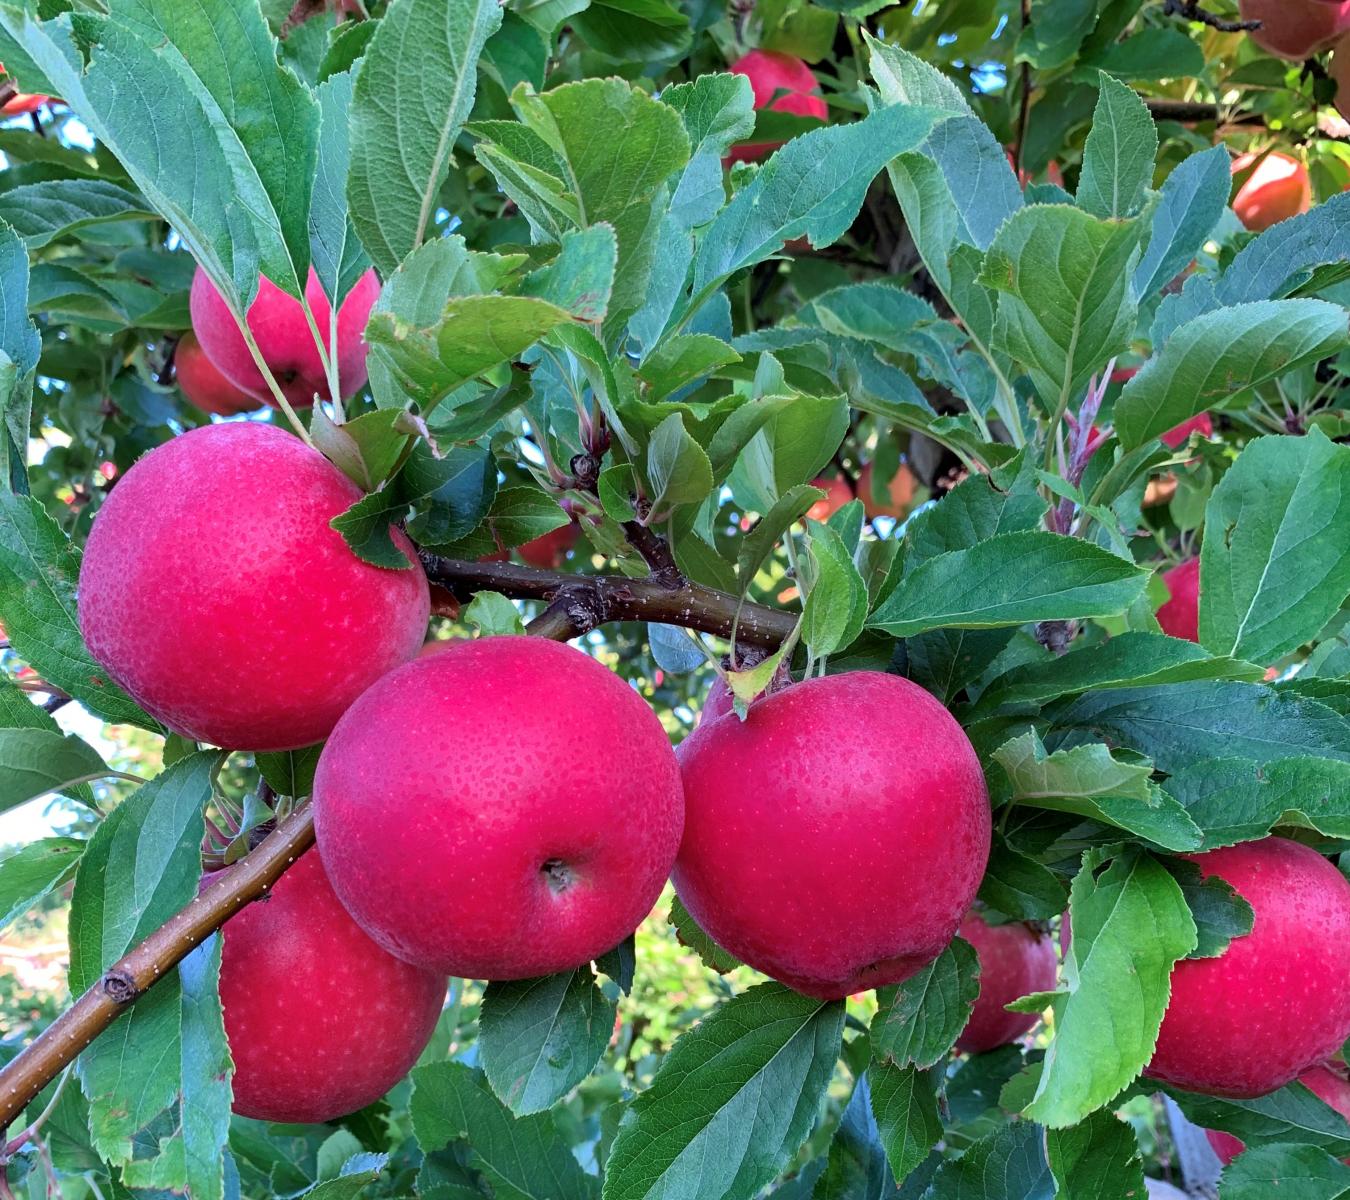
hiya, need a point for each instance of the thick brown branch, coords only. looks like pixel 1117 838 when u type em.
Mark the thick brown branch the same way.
pixel 56 1046
pixel 581 602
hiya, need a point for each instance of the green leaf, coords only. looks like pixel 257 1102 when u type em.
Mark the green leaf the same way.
pixel 683 360
pixel 493 615
pixel 856 1167
pixel 717 112
pixel 793 445
pixel 472 335
pixel 1016 884
pixel 1010 580
pixel 759 542
pixel 20 350
pixel 702 1129
pixel 414 90
pixel 836 604
pixel 1183 723
pixel 918 1021
pixel 1285 251
pixel 366 529
pixel 1152 53
pixel 39 570
pixel 581 278
pixel 290 772
pixel 1219 354
pixel 1292 1172
pixel 141 866
pixel 1064 304
pixel 32 872
pixel 42 212
pixel 1292 1114
pixel 1130 925
pixel 790 197
pixel 1192 200
pixel 37 762
pixel 633 30
pixel 336 251
pixel 1088 782
pixel 1131 659
pixel 1098 1157
pixel 356 1174
pixel 1118 157
pixel 977 509
pixel 198 83
pixel 539 1038
pixel 677 467
pixel 1219 911
pixel 1276 566
pixel 1009 1163
pixel 689 933
pixel 451 495
pixel 904 1102
pixel 523 1159
pixel 1236 800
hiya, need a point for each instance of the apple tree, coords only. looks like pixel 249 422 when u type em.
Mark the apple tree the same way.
pixel 632 599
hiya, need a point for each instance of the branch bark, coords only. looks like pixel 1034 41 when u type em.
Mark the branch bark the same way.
pixel 580 603
pixel 47 1055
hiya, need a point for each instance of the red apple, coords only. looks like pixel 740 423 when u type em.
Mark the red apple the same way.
pixel 791 79
pixel 1180 615
pixel 900 492
pixel 21 102
pixel 502 809
pixel 826 856
pixel 215 591
pixel 1295 29
pixel 1052 172
pixel 1277 188
pixel 1178 435
pixel 203 385
pixel 1340 76
pixel 837 494
pixel 278 323
pixel 320 1020
pixel 1323 1082
pixel 550 549
pixel 1276 1001
pixel 1015 960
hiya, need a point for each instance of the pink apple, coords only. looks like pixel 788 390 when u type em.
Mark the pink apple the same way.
pixel 278 324
pixel 1178 435
pixel 203 385
pixel 837 494
pixel 320 1020
pixel 1180 615
pixel 215 591
pixel 831 858
pixel 1015 960
pixel 791 79
pixel 1277 1000
pixel 1295 29
pixel 899 493
pixel 501 809
pixel 1277 188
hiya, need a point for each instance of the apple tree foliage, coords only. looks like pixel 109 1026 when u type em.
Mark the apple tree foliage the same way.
pixel 541 186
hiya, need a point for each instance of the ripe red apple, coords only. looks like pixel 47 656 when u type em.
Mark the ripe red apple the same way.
pixel 21 102
pixel 278 323
pixel 770 73
pixel 1295 29
pixel 1178 434
pixel 320 1020
pixel 550 549
pixel 1277 1001
pixel 1277 188
pixel 1323 1082
pixel 203 385
pixel 837 494
pixel 1015 960
pixel 1340 75
pixel 1180 615
pixel 900 492
pixel 824 855
pixel 501 809
pixel 215 591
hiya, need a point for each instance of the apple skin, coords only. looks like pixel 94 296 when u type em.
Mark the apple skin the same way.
pixel 1180 616
pixel 284 339
pixel 1295 29
pixel 214 590
pixel 1277 188
pixel 1340 75
pixel 1176 437
pixel 768 72
pixel 837 494
pixel 502 809
pixel 900 492
pixel 1015 960
pixel 1277 1001
pixel 320 1020
pixel 826 857
pixel 1322 1081
pixel 203 385
pixel 549 550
